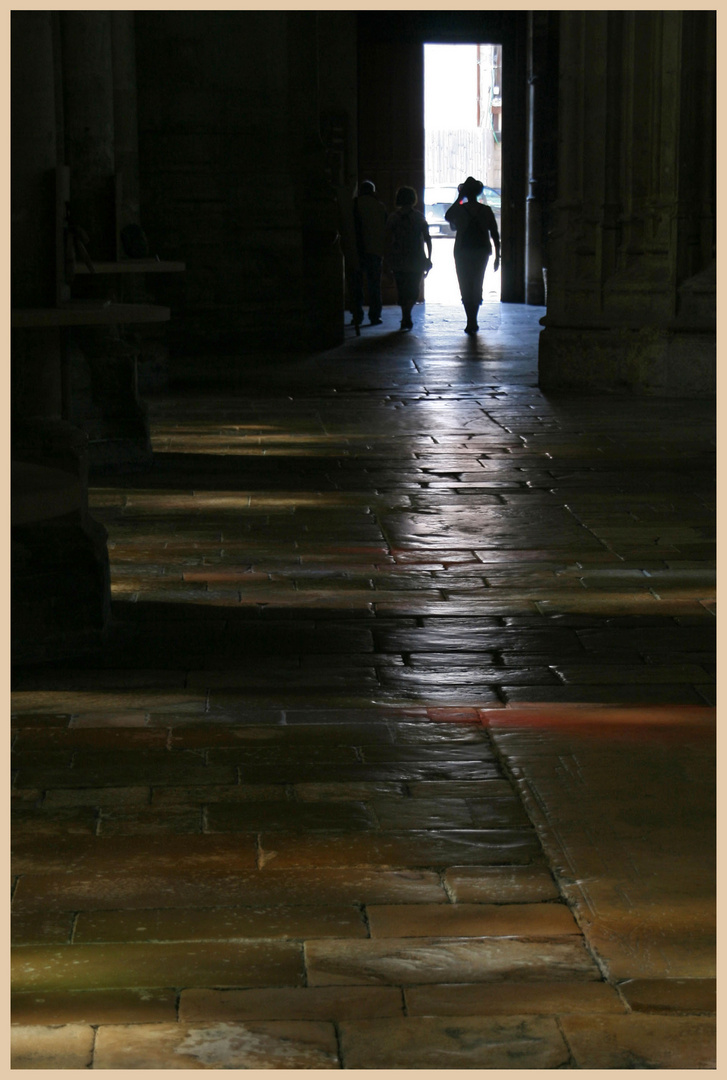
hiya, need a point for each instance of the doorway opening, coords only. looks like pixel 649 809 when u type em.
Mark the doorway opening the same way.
pixel 462 137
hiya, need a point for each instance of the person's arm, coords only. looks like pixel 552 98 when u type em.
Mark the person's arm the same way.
pixel 451 215
pixel 495 238
pixel 427 239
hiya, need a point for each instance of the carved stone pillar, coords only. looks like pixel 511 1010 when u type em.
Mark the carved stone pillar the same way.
pixel 316 197
pixel 542 113
pixel 60 577
pixel 89 123
pixel 635 208
pixel 126 136
pixel 97 55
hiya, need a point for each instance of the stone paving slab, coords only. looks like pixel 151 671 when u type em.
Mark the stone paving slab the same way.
pixel 641 1042
pixel 36 1047
pixel 670 995
pixel 124 855
pixel 332 1003
pixel 463 1043
pixel 201 887
pixel 293 1044
pixel 219 924
pixel 471 920
pixel 130 965
pixel 54 1008
pixel 401 961
pixel 656 919
pixel 500 884
pixel 286 817
pixel 42 928
pixel 405 849
pixel 513 998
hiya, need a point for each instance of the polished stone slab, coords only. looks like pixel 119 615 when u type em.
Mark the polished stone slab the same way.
pixel 463 1043
pixel 403 961
pixel 252 1045
pixel 132 965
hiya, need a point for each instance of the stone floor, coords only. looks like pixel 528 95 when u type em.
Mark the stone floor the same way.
pixel 400 751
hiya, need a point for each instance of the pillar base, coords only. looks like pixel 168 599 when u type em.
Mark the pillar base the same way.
pixel 105 403
pixel 60 595
pixel 652 361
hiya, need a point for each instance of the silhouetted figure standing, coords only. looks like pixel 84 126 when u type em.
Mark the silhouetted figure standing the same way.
pixel 369 217
pixel 407 237
pixel 474 224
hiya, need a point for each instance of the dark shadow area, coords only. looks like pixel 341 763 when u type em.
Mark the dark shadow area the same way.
pixel 269 651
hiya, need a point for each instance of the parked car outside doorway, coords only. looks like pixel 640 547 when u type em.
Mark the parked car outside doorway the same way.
pixel 437 200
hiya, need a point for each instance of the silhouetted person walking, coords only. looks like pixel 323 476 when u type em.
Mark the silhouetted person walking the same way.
pixel 407 237
pixel 474 224
pixel 369 217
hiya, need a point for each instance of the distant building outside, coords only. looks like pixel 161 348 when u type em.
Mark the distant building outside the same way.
pixel 463 114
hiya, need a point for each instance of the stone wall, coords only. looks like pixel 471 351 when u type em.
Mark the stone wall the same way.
pixel 233 171
pixel 631 304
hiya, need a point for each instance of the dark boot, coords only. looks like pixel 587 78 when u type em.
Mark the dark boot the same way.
pixel 471 313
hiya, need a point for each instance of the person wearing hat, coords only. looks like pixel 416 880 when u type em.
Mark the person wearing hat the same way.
pixel 474 224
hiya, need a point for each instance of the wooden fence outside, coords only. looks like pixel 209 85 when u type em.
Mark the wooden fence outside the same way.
pixel 450 156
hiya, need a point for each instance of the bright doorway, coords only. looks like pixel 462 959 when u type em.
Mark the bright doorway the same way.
pixel 462 137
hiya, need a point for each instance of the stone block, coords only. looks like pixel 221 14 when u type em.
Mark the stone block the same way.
pixel 117 822
pixel 462 1042
pixel 513 998
pixel 124 966
pixel 471 920
pixel 459 789
pixel 406 961
pixel 403 849
pixel 214 794
pixel 95 1007
pixel 500 884
pixel 67 1047
pixel 398 814
pixel 219 924
pixel 641 1042
pixel 291 1003
pixel 252 1045
pixel 124 855
pixel 286 817
pixel 646 360
pixel 335 791
pixel 42 928
pixel 101 797
pixel 670 995
pixel 209 887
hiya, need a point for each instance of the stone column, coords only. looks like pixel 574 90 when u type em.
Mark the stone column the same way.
pixel 60 577
pixel 39 432
pixel 89 121
pixel 316 197
pixel 126 136
pixel 626 234
pixel 103 362
pixel 542 129
pixel 36 369
pixel 534 254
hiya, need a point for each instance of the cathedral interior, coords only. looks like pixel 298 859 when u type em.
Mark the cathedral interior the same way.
pixel 363 682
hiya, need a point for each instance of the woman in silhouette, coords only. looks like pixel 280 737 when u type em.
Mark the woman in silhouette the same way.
pixel 407 236
pixel 474 224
